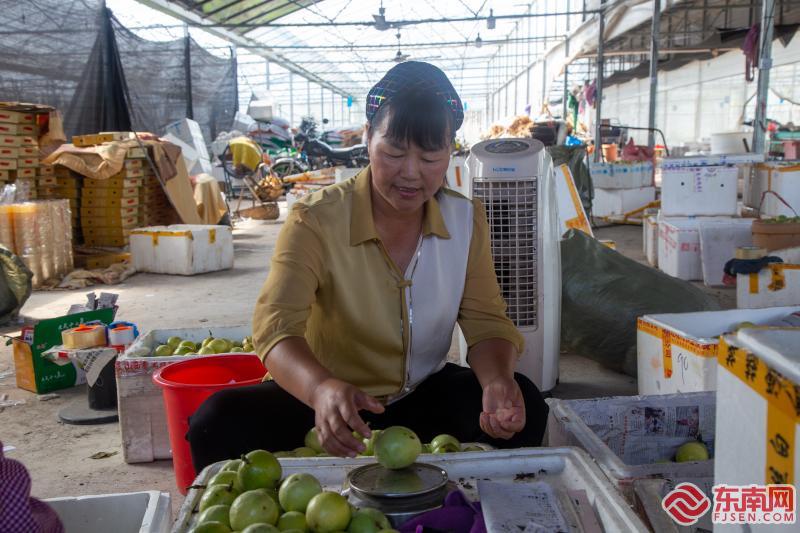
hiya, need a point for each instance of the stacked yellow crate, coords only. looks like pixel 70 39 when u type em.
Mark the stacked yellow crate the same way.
pixel 19 151
pixel 155 208
pixel 110 207
pixel 63 184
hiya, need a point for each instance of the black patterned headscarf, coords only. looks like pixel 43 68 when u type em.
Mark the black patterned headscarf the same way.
pixel 417 76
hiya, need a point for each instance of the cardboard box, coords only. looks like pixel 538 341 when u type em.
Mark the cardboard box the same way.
pixel 67 193
pixel 128 222
pixel 28 162
pixel 110 202
pixel 129 173
pixel 109 193
pixel 8 164
pixel 116 242
pixel 47 181
pixel 39 375
pixel 27 173
pixel 64 172
pixel 113 183
pixel 105 232
pixel 9 152
pixel 5 174
pixel 106 260
pixel 28 140
pixel 10 141
pixel 68 183
pixel 131 164
pixel 109 212
pixel 29 151
pixel 6 128
pixel 135 152
pixel 92 140
pixel 47 170
pixel 17 117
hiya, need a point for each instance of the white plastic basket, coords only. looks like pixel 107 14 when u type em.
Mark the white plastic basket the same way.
pixel 626 435
pixel 563 468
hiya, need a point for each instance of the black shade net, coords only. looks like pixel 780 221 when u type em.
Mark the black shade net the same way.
pixel 75 56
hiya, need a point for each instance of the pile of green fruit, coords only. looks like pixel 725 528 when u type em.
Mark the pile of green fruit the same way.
pixel 248 496
pixel 209 346
pixel 781 219
pixel 443 443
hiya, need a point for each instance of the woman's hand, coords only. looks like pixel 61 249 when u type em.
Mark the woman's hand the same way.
pixel 336 404
pixel 503 408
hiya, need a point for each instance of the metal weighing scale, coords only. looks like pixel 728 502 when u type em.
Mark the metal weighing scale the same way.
pixel 399 494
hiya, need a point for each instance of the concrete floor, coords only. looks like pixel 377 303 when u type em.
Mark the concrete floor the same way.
pixel 58 455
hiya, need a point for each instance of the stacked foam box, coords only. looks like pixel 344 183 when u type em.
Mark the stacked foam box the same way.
pixel 38 232
pixel 114 209
pixel 621 187
pixel 699 229
pixel 63 184
pixel 19 152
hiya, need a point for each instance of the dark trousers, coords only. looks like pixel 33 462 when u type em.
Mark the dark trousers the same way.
pixel 264 416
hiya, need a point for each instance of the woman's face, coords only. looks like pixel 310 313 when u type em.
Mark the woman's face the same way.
pixel 405 175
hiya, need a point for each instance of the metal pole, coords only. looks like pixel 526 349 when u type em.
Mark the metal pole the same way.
pixel 308 98
pixel 291 97
pixel 321 105
pixel 333 108
pixel 651 122
pixel 187 70
pixel 764 66
pixel 267 74
pixel 598 142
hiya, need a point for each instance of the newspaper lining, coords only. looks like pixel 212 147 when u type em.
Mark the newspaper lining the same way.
pixel 644 433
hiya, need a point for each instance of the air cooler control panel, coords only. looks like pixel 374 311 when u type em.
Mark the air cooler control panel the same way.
pixel 507 158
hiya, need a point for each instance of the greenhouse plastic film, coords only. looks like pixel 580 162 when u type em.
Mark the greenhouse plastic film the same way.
pixel 603 293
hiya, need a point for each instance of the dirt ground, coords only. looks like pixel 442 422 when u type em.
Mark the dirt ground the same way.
pixel 58 455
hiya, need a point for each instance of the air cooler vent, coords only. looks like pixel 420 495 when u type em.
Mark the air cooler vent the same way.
pixel 511 209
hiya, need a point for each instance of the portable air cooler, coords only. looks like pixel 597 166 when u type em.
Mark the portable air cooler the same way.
pixel 514 180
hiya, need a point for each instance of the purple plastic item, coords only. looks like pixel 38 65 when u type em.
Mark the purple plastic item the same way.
pixel 19 513
pixel 458 515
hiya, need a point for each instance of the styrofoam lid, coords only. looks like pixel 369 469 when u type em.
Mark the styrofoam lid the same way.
pixel 779 348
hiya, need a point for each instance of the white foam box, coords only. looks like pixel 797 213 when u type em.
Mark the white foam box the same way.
pixel 566 470
pixel 699 191
pixel 775 285
pixel 629 435
pixel 608 202
pixel 650 239
pixel 190 133
pixel 783 179
pixel 133 512
pixel 651 492
pixel 142 420
pixel 719 238
pixel 679 248
pixel 622 174
pixel 183 249
pixel 758 431
pixel 676 352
